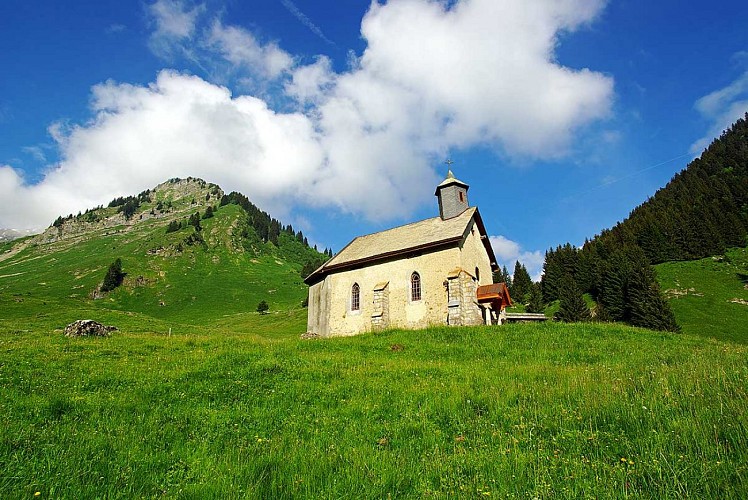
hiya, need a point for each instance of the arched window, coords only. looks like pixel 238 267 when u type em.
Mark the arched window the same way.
pixel 415 286
pixel 355 297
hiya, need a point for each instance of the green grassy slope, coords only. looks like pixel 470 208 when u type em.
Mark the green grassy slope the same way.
pixel 170 278
pixel 233 404
pixel 710 296
pixel 526 411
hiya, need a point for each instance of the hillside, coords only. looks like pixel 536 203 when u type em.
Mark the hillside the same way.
pixel 174 272
pixel 709 296
pixel 701 212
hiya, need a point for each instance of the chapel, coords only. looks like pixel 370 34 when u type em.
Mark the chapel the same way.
pixel 437 271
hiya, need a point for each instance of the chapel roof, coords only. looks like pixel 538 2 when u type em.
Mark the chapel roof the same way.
pixel 421 235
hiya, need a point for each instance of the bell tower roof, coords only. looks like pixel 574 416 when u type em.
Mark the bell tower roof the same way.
pixel 451 179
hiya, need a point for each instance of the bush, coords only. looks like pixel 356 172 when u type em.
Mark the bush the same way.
pixel 262 307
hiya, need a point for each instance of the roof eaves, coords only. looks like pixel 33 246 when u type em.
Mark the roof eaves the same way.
pixel 449 182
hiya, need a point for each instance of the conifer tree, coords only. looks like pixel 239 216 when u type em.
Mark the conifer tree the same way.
pixel 129 208
pixel 502 276
pixel 173 226
pixel 589 268
pixel 195 221
pixel 274 231
pixel 535 304
pixel 552 275
pixel 521 283
pixel 647 307
pixel 572 305
pixel 262 307
pixel 613 286
pixel 506 278
pixel 114 276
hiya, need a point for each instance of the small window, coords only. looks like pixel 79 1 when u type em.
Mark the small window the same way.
pixel 462 197
pixel 477 274
pixel 355 297
pixel 415 286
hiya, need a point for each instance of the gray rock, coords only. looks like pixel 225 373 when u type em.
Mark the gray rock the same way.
pixel 88 327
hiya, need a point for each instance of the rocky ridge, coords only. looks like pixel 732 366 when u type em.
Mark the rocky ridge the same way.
pixel 167 201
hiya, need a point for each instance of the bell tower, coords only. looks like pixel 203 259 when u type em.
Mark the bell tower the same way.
pixel 452 196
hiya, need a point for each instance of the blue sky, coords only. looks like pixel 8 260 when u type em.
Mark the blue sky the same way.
pixel 562 115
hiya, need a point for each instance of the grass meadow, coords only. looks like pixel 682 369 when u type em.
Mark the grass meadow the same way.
pixel 521 411
pixel 710 296
pixel 197 396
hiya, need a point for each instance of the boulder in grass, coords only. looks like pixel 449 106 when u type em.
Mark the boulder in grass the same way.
pixel 88 327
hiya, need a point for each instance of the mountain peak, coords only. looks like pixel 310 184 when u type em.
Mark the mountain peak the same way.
pixel 172 199
pixel 176 188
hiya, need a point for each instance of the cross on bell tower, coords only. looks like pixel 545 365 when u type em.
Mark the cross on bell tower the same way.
pixel 452 195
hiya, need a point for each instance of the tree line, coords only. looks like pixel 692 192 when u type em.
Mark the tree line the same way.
pixel 701 212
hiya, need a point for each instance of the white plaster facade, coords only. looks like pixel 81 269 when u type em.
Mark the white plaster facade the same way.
pixel 330 311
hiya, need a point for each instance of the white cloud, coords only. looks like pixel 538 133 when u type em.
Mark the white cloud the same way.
pixel 484 71
pixel 311 82
pixel 433 77
pixel 722 107
pixel 176 127
pixel 504 248
pixel 239 47
pixel 27 206
pixel 508 252
pixel 173 19
pixel 174 22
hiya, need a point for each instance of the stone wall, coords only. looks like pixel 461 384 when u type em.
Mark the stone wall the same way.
pixel 380 319
pixel 463 306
